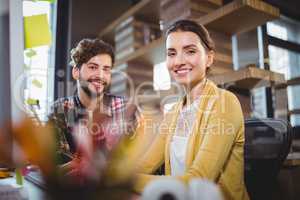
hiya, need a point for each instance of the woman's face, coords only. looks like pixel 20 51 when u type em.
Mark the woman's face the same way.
pixel 187 58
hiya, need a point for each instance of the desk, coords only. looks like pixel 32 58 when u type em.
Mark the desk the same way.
pixel 293 159
pixel 34 192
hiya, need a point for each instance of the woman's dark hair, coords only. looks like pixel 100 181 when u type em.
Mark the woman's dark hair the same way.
pixel 88 48
pixel 199 29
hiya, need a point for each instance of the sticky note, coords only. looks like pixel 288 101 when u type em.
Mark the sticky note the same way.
pixel 51 1
pixel 36 31
pixel 37 83
pixel 32 102
pixel 26 67
pixel 30 53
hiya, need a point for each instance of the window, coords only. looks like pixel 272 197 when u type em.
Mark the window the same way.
pixel 39 62
pixel 284 61
pixel 294 97
pixel 285 29
pixel 161 77
pixel 284 54
pixel 279 60
pixel 295 119
pixel 258 103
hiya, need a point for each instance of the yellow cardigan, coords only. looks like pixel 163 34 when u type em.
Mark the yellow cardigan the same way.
pixel 215 149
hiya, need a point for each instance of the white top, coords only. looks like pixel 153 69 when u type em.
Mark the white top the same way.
pixel 178 145
pixel 177 155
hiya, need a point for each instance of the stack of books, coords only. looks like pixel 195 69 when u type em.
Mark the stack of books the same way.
pixel 130 77
pixel 173 10
pixel 132 34
pixel 194 10
pixel 119 80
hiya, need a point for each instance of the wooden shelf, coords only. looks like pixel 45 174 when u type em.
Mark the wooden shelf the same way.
pixel 250 13
pixel 150 54
pixel 249 78
pixel 292 81
pixel 160 97
pixel 147 10
pixel 215 2
pixel 235 17
pixel 155 53
pixel 239 16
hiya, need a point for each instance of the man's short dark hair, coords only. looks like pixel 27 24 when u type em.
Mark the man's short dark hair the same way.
pixel 88 48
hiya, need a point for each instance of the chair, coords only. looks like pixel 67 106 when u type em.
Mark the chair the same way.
pixel 267 143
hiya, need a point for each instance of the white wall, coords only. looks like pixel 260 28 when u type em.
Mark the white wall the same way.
pixel 4 61
pixel 11 57
pixel 5 108
pixel 16 51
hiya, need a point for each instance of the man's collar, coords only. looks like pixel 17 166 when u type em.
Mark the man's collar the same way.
pixel 105 108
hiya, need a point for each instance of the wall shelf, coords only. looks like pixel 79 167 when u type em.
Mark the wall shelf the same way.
pixel 239 16
pixel 290 82
pixel 249 78
pixel 147 10
pixel 251 12
pixel 154 53
pixel 215 2
pixel 150 54
pixel 233 18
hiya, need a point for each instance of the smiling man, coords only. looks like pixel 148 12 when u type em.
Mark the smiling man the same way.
pixel 106 116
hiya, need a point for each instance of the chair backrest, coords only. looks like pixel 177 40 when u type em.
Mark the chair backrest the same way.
pixel 267 139
pixel 267 143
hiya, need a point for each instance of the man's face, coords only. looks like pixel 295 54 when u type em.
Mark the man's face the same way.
pixel 94 75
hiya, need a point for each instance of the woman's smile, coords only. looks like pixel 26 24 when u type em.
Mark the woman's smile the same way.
pixel 182 71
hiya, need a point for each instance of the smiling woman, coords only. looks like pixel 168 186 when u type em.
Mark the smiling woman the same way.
pixel 190 53
pixel 197 138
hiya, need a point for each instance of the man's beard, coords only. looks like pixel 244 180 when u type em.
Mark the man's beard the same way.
pixel 84 85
